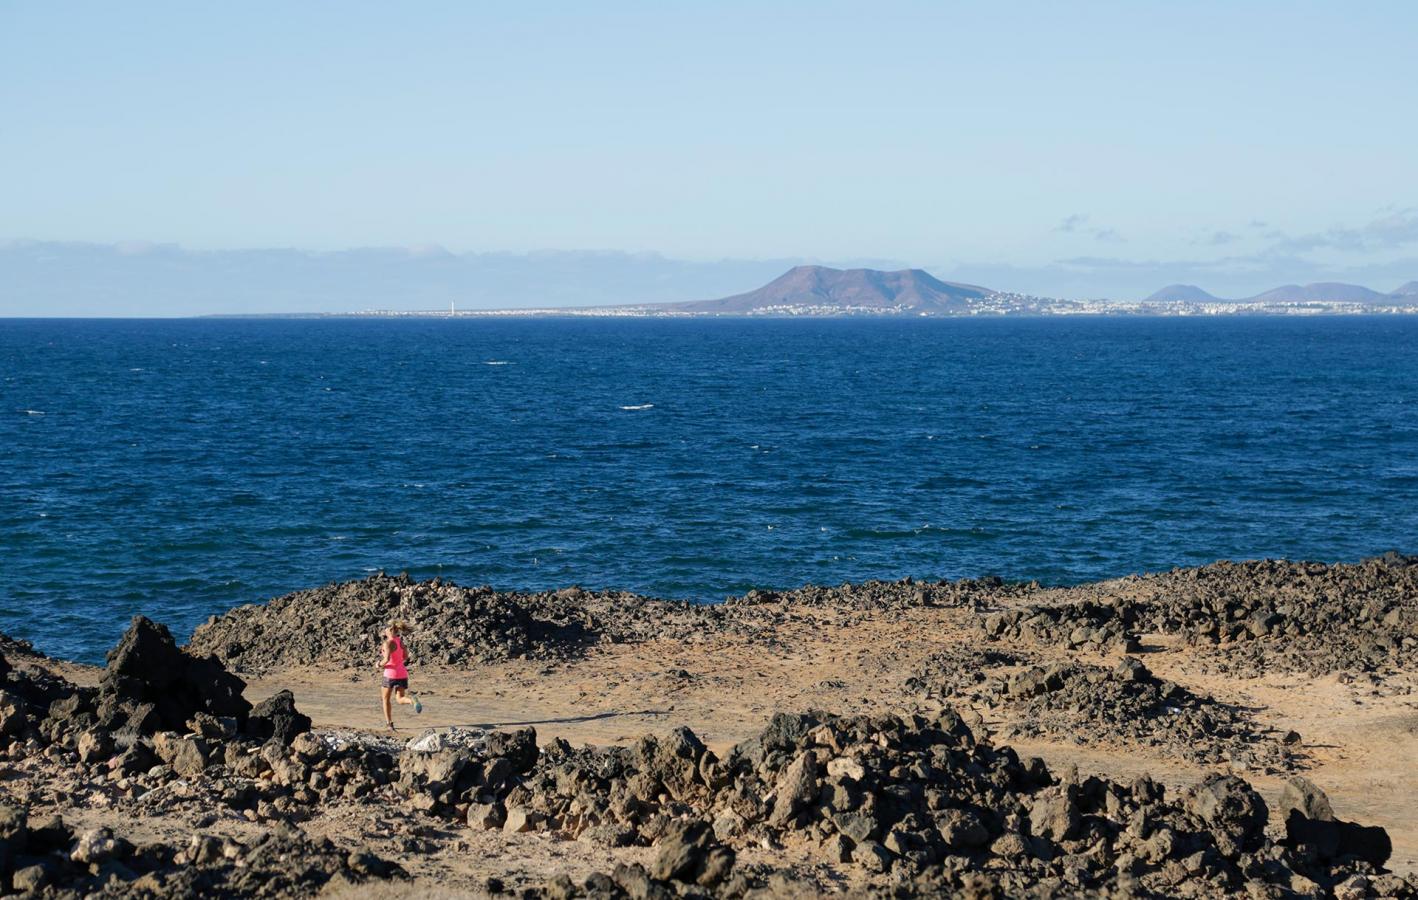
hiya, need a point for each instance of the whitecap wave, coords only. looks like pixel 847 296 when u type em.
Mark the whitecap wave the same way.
pixel 640 406
pixel 34 412
pixel 496 362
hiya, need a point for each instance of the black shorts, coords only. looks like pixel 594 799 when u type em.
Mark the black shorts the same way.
pixel 396 682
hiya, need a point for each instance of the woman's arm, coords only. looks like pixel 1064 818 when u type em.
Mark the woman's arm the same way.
pixel 388 651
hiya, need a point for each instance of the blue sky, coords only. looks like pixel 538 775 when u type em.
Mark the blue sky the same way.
pixel 1223 143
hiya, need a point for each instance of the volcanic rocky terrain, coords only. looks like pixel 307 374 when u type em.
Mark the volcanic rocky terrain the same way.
pixel 1242 729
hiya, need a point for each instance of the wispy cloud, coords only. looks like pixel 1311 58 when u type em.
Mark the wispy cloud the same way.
pixel 1392 229
pixel 1079 223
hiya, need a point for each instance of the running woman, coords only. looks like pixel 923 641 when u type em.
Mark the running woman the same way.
pixel 396 674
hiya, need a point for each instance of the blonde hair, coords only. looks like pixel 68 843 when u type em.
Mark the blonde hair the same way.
pixel 398 626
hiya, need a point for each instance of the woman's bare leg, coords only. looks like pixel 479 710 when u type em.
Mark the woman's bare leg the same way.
pixel 388 710
pixel 402 696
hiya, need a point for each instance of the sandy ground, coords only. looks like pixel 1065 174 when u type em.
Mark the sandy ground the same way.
pixel 1362 743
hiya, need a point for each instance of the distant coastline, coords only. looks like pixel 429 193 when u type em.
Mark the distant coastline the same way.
pixel 1037 308
pixel 1045 309
pixel 823 292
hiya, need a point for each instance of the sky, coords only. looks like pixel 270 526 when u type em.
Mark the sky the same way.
pixel 1094 147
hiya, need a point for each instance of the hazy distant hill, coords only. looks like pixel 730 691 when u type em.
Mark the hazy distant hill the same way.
pixel 1189 293
pixel 820 288
pixel 1320 292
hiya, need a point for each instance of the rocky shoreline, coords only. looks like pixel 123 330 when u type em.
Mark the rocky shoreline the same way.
pixel 927 801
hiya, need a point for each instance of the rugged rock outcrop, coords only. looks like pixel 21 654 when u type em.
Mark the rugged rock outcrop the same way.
pixel 1247 618
pixel 340 624
pixel 918 802
pixel 48 858
pixel 1124 704
pixel 149 676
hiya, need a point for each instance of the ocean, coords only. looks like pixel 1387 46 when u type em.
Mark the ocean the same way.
pixel 177 468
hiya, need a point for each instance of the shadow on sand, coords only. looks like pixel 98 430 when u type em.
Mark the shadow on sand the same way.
pixel 565 720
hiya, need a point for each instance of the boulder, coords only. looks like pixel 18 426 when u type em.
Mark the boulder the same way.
pixel 1033 682
pixel 148 667
pixel 1302 796
pixel 94 746
pixel 1232 809
pixel 843 767
pixel 796 788
pixel 186 755
pixel 1131 669
pixel 517 747
pixel 962 829
pixel 871 856
pixel 484 816
pixel 30 880
pixel 442 767
pixel 94 846
pixel 13 719
pixel 276 718
pixel 520 819
pixel 1054 813
pixel 689 853
pixel 1312 829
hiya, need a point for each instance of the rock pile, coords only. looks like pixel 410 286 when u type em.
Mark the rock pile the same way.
pixel 48 858
pixel 342 624
pixel 1301 616
pixel 1261 616
pixel 1082 626
pixel 1128 705
pixel 339 624
pixel 158 714
pixel 972 593
pixel 1296 616
pixel 917 803
pixel 118 744
pixel 959 671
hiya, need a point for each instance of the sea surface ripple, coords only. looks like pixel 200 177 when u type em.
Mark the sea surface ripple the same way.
pixel 180 467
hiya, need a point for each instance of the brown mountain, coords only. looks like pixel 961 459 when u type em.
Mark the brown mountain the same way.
pixel 823 290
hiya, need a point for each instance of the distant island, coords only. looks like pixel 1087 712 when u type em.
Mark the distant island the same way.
pixel 821 291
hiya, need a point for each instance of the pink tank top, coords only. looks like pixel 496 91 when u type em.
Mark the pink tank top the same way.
pixel 396 669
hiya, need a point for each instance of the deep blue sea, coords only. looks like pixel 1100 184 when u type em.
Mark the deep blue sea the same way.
pixel 181 467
